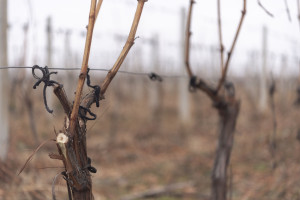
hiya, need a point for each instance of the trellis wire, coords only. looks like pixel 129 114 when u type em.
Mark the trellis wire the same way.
pixel 98 69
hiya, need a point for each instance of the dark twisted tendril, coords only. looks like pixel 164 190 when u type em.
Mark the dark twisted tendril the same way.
pixel 229 86
pixel 65 176
pixel 47 82
pixel 91 168
pixel 83 116
pixel 155 77
pixel 95 87
pixel 193 84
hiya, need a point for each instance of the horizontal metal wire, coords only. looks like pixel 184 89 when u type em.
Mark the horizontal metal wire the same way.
pixel 97 69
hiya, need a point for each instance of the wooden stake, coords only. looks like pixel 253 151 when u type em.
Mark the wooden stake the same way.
pixel 4 136
pixel 183 97
pixel 263 75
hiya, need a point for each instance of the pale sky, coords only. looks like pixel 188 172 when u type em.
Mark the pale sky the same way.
pixel 162 18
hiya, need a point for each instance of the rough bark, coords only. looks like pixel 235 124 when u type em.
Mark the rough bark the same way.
pixel 228 115
pixel 74 155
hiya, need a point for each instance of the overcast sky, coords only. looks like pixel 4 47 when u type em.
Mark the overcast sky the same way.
pixel 162 18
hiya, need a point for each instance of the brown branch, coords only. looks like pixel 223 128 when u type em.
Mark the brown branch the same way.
pixel 287 10
pixel 62 97
pixel 220 36
pixel 55 156
pixel 84 67
pixel 207 89
pixel 89 99
pixel 129 43
pixel 224 71
pixel 197 82
pixel 99 4
pixel 187 40
pixel 268 12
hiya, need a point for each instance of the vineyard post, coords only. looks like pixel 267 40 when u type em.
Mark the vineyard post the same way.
pixel 68 61
pixel 156 90
pixel 25 44
pixel 25 92
pixel 224 100
pixel 184 98
pixel 138 82
pixel 263 96
pixel 298 12
pixel 49 50
pixel 4 134
pixel 297 102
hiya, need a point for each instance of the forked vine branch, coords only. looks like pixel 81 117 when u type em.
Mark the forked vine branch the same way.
pixel 90 98
pixel 224 71
pixel 198 82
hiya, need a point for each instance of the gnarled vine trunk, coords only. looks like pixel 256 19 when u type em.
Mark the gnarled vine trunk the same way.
pixel 228 116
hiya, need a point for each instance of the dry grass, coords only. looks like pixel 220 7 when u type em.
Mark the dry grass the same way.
pixel 139 152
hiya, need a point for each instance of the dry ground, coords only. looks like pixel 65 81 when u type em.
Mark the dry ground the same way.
pixel 136 147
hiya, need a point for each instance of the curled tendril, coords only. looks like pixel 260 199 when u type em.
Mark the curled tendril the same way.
pixel 155 77
pixel 46 80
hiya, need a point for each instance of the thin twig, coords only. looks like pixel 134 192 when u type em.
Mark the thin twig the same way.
pixel 126 48
pixel 62 97
pixel 33 153
pixel 99 4
pixel 84 67
pixel 220 36
pixel 268 12
pixel 187 40
pixel 224 71
pixel 287 10
pixel 53 185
